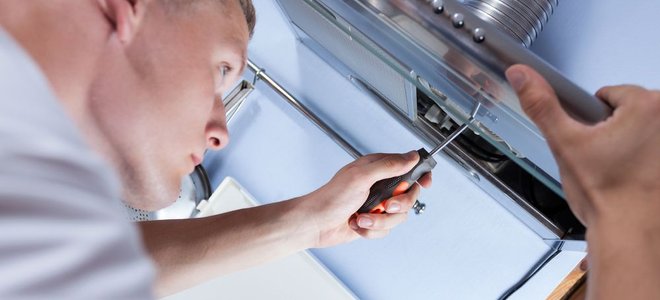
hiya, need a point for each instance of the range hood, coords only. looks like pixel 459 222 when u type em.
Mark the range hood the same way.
pixel 431 62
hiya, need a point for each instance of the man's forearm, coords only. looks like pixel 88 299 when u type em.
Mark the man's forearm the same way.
pixel 624 256
pixel 189 251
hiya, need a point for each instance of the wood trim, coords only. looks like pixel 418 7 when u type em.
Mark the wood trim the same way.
pixel 573 287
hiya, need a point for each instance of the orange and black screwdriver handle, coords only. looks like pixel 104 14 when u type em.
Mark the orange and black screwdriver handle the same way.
pixel 390 187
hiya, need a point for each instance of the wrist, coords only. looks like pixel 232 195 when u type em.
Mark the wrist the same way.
pixel 305 226
pixel 325 226
pixel 632 223
pixel 623 258
pixel 629 210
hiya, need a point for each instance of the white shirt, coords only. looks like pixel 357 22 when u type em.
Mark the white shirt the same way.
pixel 63 234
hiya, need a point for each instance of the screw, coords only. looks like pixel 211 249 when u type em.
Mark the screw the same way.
pixel 438 6
pixel 479 35
pixel 419 207
pixel 458 20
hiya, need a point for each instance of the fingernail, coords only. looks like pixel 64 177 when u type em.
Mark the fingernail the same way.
pixel 516 78
pixel 393 207
pixel 353 225
pixel 365 222
pixel 584 266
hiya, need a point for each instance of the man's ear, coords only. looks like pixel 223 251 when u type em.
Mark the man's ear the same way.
pixel 125 16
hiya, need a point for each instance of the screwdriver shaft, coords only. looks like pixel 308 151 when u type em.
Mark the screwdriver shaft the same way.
pixel 450 138
pixel 456 132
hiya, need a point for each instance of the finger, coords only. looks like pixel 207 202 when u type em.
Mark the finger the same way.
pixel 403 202
pixel 426 180
pixel 390 165
pixel 352 222
pixel 584 264
pixel 539 101
pixel 373 234
pixel 369 158
pixel 380 221
pixel 620 94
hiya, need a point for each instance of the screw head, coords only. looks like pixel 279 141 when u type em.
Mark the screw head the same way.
pixel 438 6
pixel 479 35
pixel 458 20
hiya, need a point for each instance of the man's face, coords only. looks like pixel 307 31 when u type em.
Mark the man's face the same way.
pixel 157 100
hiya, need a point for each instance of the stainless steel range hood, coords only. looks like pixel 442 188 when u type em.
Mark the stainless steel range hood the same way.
pixel 431 62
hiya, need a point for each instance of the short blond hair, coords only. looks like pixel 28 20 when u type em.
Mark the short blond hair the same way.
pixel 250 14
pixel 176 6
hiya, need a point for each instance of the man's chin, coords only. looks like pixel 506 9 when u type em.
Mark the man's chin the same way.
pixel 151 199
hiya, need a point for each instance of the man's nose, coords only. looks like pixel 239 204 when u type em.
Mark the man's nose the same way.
pixel 217 136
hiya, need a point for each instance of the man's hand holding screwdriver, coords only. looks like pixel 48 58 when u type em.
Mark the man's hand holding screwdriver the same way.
pixel 335 204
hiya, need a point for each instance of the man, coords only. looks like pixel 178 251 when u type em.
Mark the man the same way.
pixel 150 110
pixel 141 63
pixel 169 65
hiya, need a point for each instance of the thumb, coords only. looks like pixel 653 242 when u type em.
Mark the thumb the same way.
pixel 539 101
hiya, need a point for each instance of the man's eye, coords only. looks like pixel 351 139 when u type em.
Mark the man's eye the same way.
pixel 224 70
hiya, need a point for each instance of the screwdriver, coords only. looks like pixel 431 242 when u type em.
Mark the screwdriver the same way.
pixel 390 187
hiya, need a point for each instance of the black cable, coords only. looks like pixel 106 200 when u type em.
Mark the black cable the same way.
pixel 544 261
pixel 478 151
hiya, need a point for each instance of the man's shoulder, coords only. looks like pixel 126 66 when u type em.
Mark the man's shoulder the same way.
pixel 34 125
pixel 27 103
pixel 59 198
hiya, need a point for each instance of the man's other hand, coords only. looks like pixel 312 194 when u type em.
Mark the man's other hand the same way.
pixel 610 170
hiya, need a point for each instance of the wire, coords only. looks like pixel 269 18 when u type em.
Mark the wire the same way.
pixel 478 151
pixel 544 261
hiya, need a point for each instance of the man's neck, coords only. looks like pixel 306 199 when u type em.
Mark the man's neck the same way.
pixel 65 38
